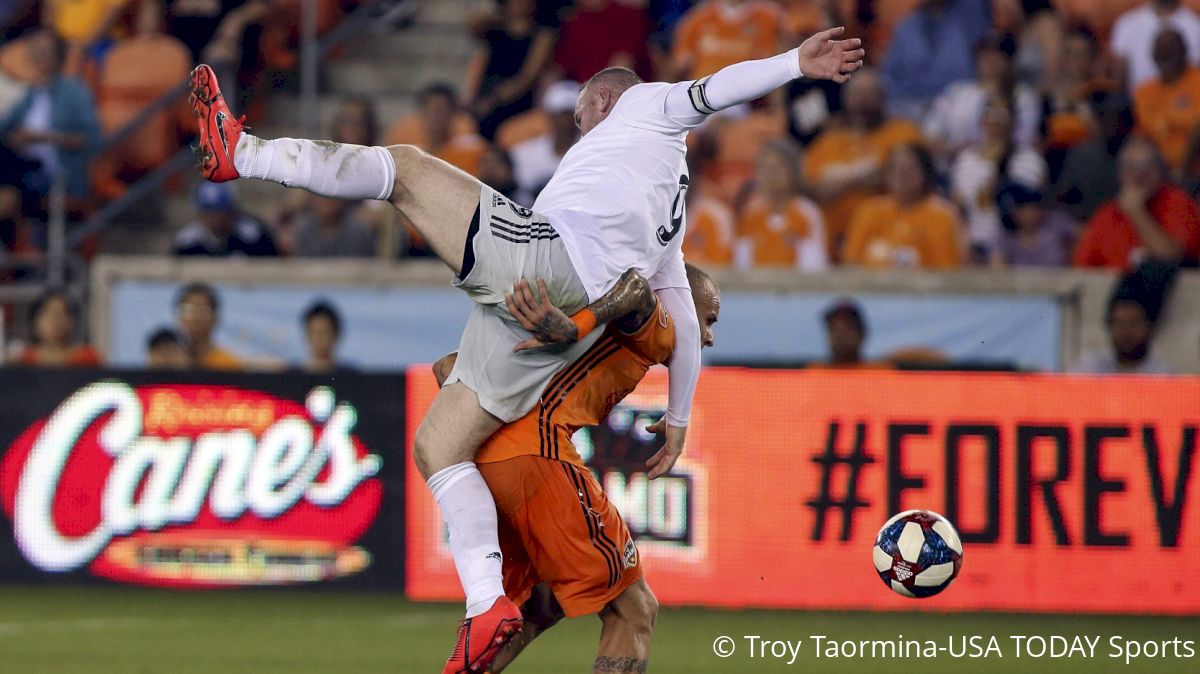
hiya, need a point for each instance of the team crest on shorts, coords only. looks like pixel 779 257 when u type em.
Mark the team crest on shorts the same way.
pixel 631 557
pixel 521 211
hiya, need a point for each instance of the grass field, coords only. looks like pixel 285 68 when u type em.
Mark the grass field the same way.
pixel 108 630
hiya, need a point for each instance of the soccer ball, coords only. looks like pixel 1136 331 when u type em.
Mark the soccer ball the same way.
pixel 917 553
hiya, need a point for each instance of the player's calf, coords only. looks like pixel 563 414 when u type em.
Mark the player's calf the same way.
pixel 541 612
pixel 628 625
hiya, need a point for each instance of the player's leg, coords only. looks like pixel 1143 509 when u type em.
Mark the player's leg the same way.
pixel 628 624
pixel 438 198
pixel 541 612
pixel 444 449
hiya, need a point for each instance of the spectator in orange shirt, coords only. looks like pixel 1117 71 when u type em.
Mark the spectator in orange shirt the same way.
pixel 844 165
pixel 1150 219
pixel 199 310
pixel 708 237
pixel 441 132
pixel 780 227
pixel 718 33
pixel 53 318
pixel 1167 107
pixel 911 226
pixel 437 106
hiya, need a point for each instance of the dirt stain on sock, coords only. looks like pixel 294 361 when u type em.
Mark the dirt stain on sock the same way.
pixel 344 167
pixel 327 147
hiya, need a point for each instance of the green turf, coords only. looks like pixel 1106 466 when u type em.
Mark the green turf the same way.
pixel 108 630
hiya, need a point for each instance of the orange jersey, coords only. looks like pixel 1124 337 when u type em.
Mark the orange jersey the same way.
pixel 409 130
pixel 849 155
pixel 712 36
pixel 584 392
pixel 885 235
pixel 775 235
pixel 709 234
pixel 1167 113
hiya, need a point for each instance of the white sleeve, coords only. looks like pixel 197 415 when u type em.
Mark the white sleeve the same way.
pixel 689 103
pixel 684 367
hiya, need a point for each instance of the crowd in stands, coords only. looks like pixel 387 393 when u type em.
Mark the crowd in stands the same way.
pixel 983 132
pixel 987 133
pixel 74 74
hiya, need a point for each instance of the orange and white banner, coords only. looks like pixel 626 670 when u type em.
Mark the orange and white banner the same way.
pixel 1071 493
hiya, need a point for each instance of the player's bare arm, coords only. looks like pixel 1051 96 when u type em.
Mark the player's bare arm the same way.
pixel 629 304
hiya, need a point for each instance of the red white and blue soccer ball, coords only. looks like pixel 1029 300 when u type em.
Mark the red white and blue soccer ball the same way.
pixel 917 553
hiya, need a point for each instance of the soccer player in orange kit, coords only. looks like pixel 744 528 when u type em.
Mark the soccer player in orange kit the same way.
pixel 566 548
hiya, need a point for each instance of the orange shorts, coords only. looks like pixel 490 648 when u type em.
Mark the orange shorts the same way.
pixel 557 526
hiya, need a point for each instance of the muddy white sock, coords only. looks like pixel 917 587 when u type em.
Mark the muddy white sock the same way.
pixel 336 170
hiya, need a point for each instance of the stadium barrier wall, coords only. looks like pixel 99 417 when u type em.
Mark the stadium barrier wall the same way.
pixel 778 320
pixel 202 480
pixel 1072 494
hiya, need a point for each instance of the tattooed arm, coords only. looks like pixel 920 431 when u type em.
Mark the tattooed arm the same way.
pixel 629 303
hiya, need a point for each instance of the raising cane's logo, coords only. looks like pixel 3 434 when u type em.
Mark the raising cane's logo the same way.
pixel 192 485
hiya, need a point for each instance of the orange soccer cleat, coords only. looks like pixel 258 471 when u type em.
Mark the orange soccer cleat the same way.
pixel 481 638
pixel 219 130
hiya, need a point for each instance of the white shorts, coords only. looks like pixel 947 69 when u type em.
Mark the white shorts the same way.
pixel 509 243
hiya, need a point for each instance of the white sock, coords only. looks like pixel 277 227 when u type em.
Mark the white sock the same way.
pixel 470 514
pixel 323 167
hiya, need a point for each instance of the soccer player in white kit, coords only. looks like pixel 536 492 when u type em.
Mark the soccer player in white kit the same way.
pixel 615 203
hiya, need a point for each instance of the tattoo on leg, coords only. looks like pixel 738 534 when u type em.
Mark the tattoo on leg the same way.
pixel 606 664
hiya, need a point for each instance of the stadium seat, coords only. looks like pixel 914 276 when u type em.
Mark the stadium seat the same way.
pixel 137 72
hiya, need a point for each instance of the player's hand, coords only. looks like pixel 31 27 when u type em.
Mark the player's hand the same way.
pixel 664 459
pixel 549 325
pixel 824 58
pixel 659 427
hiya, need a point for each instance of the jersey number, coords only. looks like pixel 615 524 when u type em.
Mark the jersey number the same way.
pixel 665 233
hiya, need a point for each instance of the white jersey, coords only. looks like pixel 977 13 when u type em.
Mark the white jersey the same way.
pixel 617 198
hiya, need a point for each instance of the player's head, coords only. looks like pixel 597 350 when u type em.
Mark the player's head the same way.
pixel 600 94
pixel 707 297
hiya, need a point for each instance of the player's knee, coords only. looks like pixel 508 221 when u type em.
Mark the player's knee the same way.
pixel 408 159
pixel 424 452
